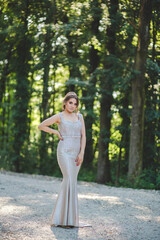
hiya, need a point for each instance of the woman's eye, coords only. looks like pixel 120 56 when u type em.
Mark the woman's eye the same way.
pixel 72 103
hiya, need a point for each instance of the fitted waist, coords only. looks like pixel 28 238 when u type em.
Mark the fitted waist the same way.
pixel 71 136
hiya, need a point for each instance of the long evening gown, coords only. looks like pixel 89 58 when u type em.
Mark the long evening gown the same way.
pixel 66 210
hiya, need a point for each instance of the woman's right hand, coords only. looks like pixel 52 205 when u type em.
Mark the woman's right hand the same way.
pixel 59 135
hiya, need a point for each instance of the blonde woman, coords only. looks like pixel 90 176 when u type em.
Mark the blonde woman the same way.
pixel 70 153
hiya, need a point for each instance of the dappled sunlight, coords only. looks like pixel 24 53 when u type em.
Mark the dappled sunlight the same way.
pixel 110 199
pixel 157 219
pixel 143 208
pixel 4 200
pixel 147 218
pixel 26 208
pixel 129 200
pixel 10 209
pixel 144 218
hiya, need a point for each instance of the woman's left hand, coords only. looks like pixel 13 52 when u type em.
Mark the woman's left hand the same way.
pixel 79 159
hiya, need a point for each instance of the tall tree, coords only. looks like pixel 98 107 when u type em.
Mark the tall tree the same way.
pixel 22 94
pixel 51 18
pixel 103 171
pixel 138 91
pixel 151 152
pixel 89 93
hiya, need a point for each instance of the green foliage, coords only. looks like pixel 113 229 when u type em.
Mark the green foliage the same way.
pixel 149 179
pixel 51 47
pixel 87 175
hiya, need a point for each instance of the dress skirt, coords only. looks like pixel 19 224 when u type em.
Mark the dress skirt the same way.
pixel 66 210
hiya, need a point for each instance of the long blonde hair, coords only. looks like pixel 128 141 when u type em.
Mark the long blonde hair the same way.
pixel 67 97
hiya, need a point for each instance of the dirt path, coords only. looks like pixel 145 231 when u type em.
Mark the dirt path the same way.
pixel 26 203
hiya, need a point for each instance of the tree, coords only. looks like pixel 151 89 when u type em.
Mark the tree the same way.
pixel 46 58
pixel 22 93
pixel 103 171
pixel 138 91
pixel 90 93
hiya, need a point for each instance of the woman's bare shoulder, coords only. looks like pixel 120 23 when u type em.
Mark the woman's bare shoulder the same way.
pixel 58 117
pixel 51 120
pixel 80 115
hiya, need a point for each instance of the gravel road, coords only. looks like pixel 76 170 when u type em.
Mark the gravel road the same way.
pixel 27 201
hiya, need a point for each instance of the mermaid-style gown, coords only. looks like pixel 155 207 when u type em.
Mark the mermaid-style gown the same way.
pixel 66 210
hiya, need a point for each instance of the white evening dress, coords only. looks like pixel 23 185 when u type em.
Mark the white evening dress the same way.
pixel 66 211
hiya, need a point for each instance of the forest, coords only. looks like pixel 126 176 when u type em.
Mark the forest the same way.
pixel 108 52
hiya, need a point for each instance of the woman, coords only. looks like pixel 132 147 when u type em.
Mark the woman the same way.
pixel 70 153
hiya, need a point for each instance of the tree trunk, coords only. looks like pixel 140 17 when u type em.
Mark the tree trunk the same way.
pixel 138 92
pixel 91 92
pixel 22 95
pixel 150 149
pixel 125 132
pixel 46 95
pixel 103 171
pixel 3 84
pixel 45 98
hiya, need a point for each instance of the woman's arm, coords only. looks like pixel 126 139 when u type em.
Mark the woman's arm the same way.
pixel 80 156
pixel 83 137
pixel 49 121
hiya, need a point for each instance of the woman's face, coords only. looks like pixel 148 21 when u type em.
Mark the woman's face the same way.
pixel 71 105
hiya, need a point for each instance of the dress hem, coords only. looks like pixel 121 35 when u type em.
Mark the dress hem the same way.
pixel 81 225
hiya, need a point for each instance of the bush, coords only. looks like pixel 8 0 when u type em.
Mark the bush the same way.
pixel 149 179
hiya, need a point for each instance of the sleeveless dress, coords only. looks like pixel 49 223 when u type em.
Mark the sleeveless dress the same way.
pixel 66 210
